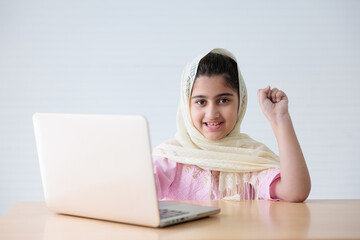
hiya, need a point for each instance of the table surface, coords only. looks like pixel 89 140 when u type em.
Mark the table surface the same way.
pixel 313 219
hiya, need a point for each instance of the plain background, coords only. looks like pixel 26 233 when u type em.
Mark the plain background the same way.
pixel 126 57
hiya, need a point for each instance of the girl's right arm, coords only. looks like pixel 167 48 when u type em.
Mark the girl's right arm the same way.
pixel 164 171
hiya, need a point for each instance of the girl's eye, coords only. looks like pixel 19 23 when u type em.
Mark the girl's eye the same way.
pixel 200 102
pixel 224 100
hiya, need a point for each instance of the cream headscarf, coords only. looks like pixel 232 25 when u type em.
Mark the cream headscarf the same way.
pixel 234 154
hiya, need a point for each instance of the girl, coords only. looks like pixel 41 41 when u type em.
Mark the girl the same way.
pixel 209 158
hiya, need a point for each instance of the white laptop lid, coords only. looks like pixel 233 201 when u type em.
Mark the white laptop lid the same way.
pixel 89 166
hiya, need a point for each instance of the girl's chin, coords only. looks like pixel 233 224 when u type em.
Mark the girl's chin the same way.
pixel 213 137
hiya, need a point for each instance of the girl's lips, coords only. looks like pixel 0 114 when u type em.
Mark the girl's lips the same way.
pixel 213 125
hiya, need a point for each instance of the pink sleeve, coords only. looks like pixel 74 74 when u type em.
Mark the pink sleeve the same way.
pixel 265 186
pixel 164 170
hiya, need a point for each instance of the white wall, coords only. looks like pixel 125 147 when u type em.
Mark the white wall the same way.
pixel 127 57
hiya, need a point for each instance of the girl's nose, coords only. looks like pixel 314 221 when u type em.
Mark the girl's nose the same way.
pixel 213 112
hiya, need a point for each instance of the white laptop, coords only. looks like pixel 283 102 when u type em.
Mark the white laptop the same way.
pixel 100 166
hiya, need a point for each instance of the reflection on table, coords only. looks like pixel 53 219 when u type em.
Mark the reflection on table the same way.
pixel 322 219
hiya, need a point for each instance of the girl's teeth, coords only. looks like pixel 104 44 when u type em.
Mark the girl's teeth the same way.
pixel 213 124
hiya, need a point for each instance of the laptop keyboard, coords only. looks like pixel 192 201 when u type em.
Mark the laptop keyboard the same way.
pixel 166 213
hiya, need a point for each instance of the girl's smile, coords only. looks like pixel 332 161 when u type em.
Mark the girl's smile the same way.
pixel 212 126
pixel 213 107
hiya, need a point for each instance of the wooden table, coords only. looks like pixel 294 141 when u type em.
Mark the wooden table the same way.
pixel 314 219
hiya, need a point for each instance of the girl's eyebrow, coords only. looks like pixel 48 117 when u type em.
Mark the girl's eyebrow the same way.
pixel 219 95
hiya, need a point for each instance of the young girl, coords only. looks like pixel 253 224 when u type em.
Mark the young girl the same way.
pixel 209 158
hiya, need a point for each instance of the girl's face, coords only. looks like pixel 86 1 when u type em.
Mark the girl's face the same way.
pixel 213 107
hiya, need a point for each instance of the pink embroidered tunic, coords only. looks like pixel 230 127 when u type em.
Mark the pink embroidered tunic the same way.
pixel 177 181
